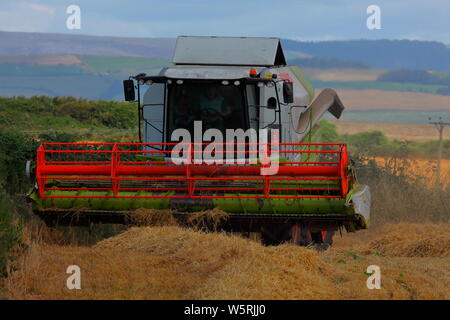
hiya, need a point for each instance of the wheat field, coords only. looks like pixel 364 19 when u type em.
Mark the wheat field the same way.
pixel 414 168
pixel 392 100
pixel 169 262
pixel 399 131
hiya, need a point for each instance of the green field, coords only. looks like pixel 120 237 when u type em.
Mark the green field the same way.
pixel 80 85
pixel 26 70
pixel 101 64
pixel 96 77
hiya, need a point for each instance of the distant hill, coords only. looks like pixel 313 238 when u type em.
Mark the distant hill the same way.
pixel 84 76
pixel 94 66
pixel 377 54
pixel 326 63
pixel 24 43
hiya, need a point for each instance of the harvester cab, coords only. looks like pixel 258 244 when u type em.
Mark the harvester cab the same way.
pixel 228 126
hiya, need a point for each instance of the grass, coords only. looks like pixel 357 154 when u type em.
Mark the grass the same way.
pixel 10 233
pixel 41 113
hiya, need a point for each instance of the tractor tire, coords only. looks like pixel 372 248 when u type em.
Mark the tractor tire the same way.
pixel 275 235
pixel 296 234
pixel 322 240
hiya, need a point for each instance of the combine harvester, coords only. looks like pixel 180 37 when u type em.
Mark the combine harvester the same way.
pixel 223 83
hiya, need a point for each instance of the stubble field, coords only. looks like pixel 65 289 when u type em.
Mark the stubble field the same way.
pixel 170 262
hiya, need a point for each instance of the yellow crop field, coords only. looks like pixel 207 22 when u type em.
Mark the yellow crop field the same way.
pixel 418 167
pixel 170 262
pixel 399 131
pixel 343 74
pixel 392 100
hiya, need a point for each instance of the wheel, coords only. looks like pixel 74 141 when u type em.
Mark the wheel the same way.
pixel 275 234
pixel 321 240
pixel 297 234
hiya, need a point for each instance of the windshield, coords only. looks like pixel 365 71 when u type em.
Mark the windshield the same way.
pixel 215 104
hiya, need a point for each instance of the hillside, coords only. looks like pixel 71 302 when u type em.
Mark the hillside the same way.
pixel 93 67
pixel 83 76
pixel 25 43
pixel 377 54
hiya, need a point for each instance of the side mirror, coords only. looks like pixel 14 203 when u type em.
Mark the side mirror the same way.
pixel 288 92
pixel 128 90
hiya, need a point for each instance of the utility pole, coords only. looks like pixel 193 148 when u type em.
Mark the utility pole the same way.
pixel 440 128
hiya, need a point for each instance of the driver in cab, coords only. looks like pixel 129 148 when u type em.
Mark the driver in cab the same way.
pixel 215 108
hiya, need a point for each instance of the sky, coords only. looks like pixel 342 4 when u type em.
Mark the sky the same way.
pixel 289 19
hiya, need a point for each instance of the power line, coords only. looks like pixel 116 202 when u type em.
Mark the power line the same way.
pixel 440 125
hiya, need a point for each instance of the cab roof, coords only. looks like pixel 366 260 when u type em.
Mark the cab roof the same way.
pixel 228 51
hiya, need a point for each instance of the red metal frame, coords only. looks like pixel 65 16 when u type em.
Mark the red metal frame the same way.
pixel 117 164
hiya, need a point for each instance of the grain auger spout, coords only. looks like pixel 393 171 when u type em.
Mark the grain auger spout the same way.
pixel 222 128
